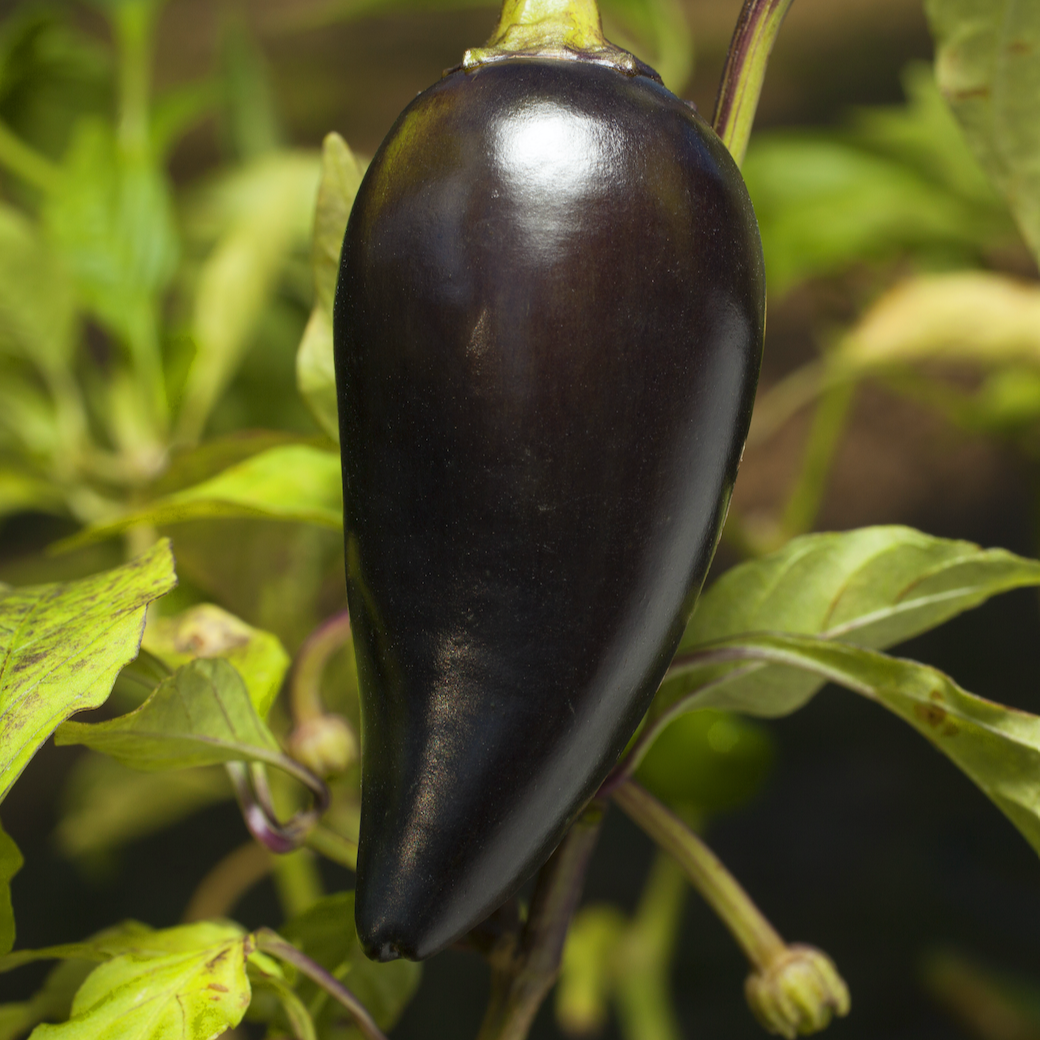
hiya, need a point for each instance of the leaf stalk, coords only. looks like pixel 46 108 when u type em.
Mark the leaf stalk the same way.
pixel 741 86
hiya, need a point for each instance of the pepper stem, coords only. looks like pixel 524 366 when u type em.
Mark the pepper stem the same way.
pixel 568 29
pixel 745 71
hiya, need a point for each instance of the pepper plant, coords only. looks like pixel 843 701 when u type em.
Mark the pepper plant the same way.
pixel 130 317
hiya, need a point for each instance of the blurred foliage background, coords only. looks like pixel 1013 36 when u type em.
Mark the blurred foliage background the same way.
pixel 159 167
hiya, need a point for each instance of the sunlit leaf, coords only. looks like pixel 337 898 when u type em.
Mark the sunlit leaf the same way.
pixel 200 716
pixel 266 212
pixel 988 67
pixel 326 934
pixel 209 631
pixel 315 373
pixel 190 466
pixel 876 586
pixel 53 1002
pixel 996 746
pixel 966 316
pixel 293 482
pixel 128 935
pixel 340 178
pixel 106 805
pixel 186 983
pixel 61 647
pixel 10 863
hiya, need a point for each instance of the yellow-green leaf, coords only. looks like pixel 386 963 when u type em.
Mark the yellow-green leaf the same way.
pixel 291 482
pixel 186 983
pixel 200 716
pixel 997 747
pixel 975 316
pixel 61 647
pixel 207 630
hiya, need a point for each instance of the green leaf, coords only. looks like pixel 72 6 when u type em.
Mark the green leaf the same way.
pixel 61 647
pixel 326 934
pixel 52 1003
pixel 896 179
pixel 266 212
pixel 250 118
pixel 208 631
pixel 10 863
pixel 875 587
pixel 112 223
pixel 186 983
pixel 997 747
pixel 100 947
pixel 190 466
pixel 106 805
pixel 292 482
pixel 988 68
pixel 315 374
pixel 37 314
pixel 200 716
pixel 340 179
pixel 284 577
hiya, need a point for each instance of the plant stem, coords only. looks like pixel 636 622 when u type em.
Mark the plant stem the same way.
pixel 523 972
pixel 756 936
pixel 226 883
pixel 134 23
pixel 741 86
pixel 321 644
pixel 271 942
pixel 828 423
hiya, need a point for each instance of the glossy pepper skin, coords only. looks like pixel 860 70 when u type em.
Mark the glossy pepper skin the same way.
pixel 548 331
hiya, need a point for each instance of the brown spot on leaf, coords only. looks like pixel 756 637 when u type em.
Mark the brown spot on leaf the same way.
pixel 217 986
pixel 967 95
pixel 930 713
pixel 1020 47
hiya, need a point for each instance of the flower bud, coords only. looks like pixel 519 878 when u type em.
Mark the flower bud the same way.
pixel 798 993
pixel 326 745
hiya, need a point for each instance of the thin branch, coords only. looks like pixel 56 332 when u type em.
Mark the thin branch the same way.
pixel 522 973
pixel 229 880
pixel 254 798
pixel 756 936
pixel 271 942
pixel 741 86
pixel 313 657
